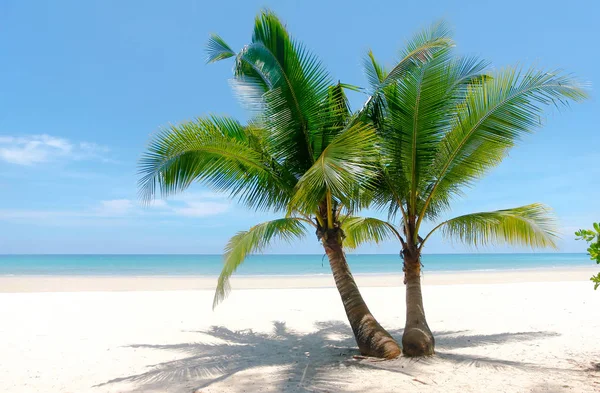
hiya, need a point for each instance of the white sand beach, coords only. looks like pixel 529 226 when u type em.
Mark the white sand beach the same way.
pixel 495 332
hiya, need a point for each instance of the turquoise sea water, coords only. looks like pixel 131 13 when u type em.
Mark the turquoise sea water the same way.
pixel 277 265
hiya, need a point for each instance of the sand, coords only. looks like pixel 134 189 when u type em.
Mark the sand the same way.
pixel 494 332
pixel 169 283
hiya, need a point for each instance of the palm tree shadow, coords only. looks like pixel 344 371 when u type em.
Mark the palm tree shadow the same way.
pixel 303 361
pixel 458 339
pixel 301 357
pixel 449 341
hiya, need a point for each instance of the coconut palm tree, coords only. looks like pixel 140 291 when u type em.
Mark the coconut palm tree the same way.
pixel 303 154
pixel 443 123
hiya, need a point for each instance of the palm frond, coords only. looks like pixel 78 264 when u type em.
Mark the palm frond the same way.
pixel 361 230
pixel 220 153
pixel 529 225
pixel 374 71
pixel 347 162
pixel 495 114
pixel 465 71
pixel 417 119
pixel 335 113
pixel 417 112
pixel 217 49
pixel 350 87
pixel 294 82
pixel 419 50
pixel 412 115
pixel 461 74
pixel 254 240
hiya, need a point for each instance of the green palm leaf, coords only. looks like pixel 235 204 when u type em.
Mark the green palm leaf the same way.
pixel 361 230
pixel 217 49
pixel 375 72
pixel 347 162
pixel 495 114
pixel 529 225
pixel 220 153
pixel 418 50
pixel 254 240
pixel 417 112
pixel 335 114
pixel 294 85
pixel 418 116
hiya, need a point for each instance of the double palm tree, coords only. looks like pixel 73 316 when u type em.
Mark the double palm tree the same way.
pixel 442 124
pixel 304 154
pixel 433 124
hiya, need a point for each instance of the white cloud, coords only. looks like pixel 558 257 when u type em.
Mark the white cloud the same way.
pixel 127 209
pixel 201 209
pixel 36 149
pixel 33 149
pixel 158 203
pixel 197 196
pixel 116 207
pixel 199 204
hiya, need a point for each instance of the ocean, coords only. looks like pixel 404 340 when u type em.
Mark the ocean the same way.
pixel 272 265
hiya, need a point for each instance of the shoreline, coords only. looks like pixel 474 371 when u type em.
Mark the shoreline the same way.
pixel 90 283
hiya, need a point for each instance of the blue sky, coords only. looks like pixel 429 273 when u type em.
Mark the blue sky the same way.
pixel 85 83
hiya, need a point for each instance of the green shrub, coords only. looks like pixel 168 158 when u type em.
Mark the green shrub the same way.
pixel 593 238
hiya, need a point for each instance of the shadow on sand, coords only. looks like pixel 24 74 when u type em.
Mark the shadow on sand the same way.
pixel 304 362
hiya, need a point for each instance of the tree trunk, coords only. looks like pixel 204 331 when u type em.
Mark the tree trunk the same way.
pixel 417 339
pixel 371 337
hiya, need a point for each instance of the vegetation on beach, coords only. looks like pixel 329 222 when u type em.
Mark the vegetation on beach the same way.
pixel 592 236
pixel 442 124
pixel 303 154
pixel 432 125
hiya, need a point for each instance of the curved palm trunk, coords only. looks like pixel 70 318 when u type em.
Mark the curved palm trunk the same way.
pixel 371 337
pixel 417 339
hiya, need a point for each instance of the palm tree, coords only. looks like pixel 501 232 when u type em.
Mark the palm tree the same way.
pixel 443 123
pixel 303 154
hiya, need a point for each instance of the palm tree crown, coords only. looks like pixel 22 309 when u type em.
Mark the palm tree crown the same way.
pixel 300 154
pixel 303 154
pixel 443 122
pixel 433 125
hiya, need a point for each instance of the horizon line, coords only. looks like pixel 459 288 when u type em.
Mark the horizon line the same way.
pixel 275 254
